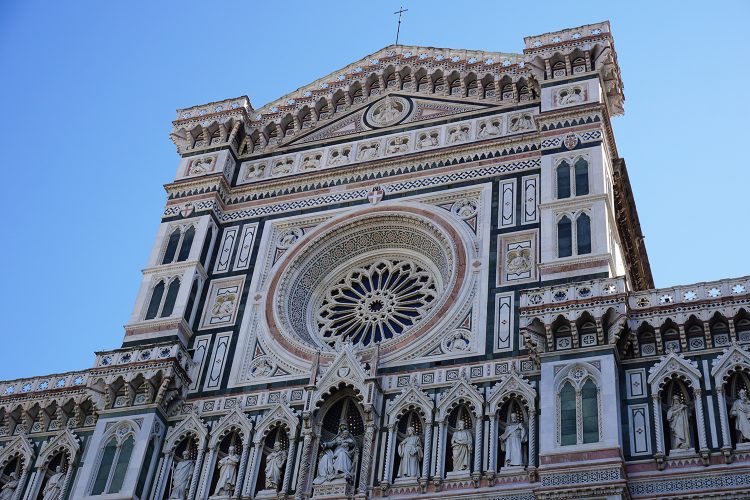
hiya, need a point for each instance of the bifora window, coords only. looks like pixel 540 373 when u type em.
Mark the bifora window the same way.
pixel 572 181
pixel 376 302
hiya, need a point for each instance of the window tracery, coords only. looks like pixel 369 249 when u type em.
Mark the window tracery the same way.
pixel 568 233
pixel 578 406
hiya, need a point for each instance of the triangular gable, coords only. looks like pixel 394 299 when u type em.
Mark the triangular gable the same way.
pixel 65 441
pixel 279 413
pixel 19 446
pixel 462 391
pixel 421 108
pixel 673 363
pixel 347 369
pixel 190 424
pixel 411 395
pixel 733 357
pixel 510 384
pixel 235 419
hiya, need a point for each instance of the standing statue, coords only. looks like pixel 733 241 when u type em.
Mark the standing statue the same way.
pixel 274 466
pixel 679 424
pixel 410 451
pixel 181 476
pixel 511 442
pixel 741 413
pixel 227 474
pixel 9 489
pixel 337 459
pixel 53 489
pixel 462 444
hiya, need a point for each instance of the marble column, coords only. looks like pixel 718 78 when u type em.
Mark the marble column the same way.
pixel 726 441
pixel 22 482
pixel 242 469
pixel 37 476
pixel 492 459
pixel 250 481
pixel 196 473
pixel 289 466
pixel 207 473
pixel 66 482
pixel 478 423
pixel 699 419
pixel 304 470
pixel 364 471
pixel 658 424
pixel 427 450
pixel 164 462
pixel 532 437
pixel 389 450
pixel 439 456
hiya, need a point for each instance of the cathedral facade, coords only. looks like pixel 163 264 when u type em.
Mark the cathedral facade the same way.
pixel 421 276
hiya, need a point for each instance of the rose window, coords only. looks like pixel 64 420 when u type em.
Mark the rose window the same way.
pixel 376 302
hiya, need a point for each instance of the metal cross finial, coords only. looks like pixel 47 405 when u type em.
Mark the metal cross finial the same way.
pixel 398 29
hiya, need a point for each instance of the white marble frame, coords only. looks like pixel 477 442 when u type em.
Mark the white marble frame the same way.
pixel 21 448
pixel 511 385
pixel 733 359
pixel 676 366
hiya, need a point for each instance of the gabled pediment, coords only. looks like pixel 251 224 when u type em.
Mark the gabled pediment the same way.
pixel 673 364
pixel 734 357
pixel 462 392
pixel 234 420
pixel 192 424
pixel 346 369
pixel 20 446
pixel 412 396
pixel 65 441
pixel 511 384
pixel 390 111
pixel 281 413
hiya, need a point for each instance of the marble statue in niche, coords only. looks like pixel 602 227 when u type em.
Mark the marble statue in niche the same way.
pixel 53 488
pixel 227 474
pixel 741 412
pixel 511 441
pixel 275 461
pixel 679 424
pixel 337 459
pixel 462 444
pixel 182 474
pixel 411 453
pixel 8 490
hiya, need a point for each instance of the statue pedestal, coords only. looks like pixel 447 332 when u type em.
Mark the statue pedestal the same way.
pixel 409 481
pixel 511 470
pixel 337 488
pixel 679 453
pixel 268 493
pixel 458 474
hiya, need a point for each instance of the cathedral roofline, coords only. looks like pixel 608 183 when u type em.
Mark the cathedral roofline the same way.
pixel 537 47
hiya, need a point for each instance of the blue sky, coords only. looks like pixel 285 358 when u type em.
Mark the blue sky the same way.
pixel 88 90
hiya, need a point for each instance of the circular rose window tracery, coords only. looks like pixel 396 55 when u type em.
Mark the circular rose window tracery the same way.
pixel 384 276
pixel 376 302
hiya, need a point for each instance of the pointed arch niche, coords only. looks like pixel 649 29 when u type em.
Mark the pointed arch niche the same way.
pixel 513 395
pixel 672 377
pixel 731 373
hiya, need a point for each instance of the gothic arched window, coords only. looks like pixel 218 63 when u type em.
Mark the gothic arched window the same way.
pixel 583 234
pixel 155 302
pixel 172 290
pixel 563 180
pixel 113 466
pixel 564 237
pixel 187 242
pixel 567 415
pixel 578 408
pixel 590 412
pixel 582 177
pixel 179 244
pixel 172 244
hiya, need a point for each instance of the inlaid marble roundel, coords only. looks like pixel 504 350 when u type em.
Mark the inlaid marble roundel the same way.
pixel 387 111
pixel 381 277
